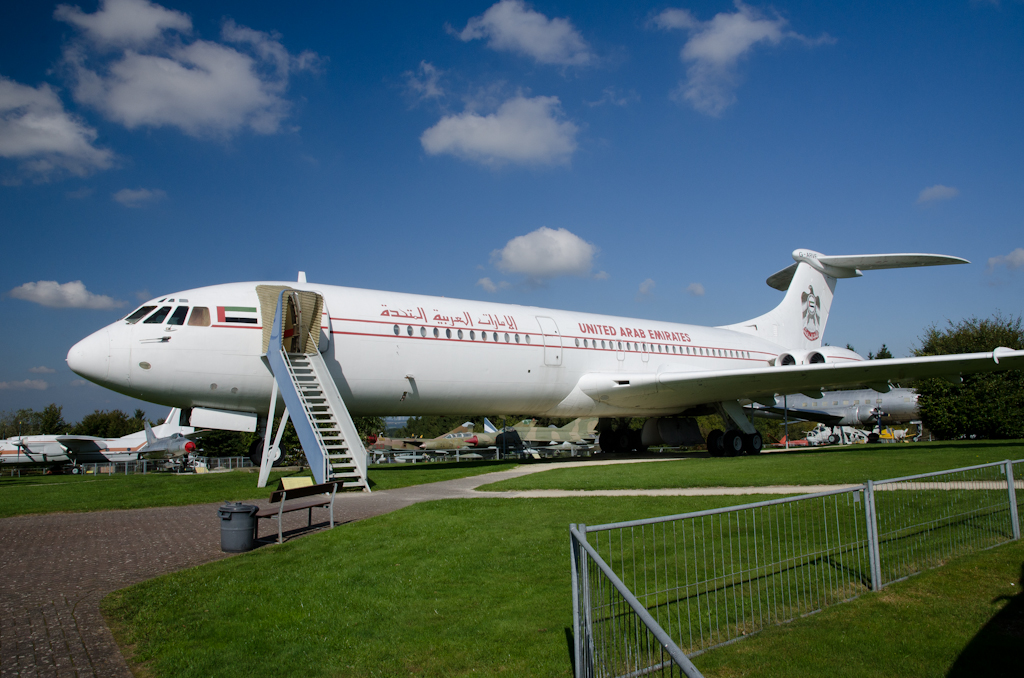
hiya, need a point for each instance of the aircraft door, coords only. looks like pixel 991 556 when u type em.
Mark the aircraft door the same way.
pixel 325 329
pixel 303 313
pixel 552 341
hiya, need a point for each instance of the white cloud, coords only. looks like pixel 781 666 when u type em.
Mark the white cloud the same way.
pixel 124 23
pixel 27 385
pixel 716 46
pixel 42 369
pixel 37 133
pixel 69 295
pixel 424 83
pixel 510 26
pixel 137 197
pixel 523 130
pixel 492 287
pixel 695 289
pixel 546 253
pixel 1013 260
pixel 601 275
pixel 647 287
pixel 136 68
pixel 79 382
pixel 937 192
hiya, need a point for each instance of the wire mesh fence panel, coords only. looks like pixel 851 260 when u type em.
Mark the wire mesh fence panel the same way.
pixel 924 521
pixel 649 593
pixel 615 635
pixel 715 576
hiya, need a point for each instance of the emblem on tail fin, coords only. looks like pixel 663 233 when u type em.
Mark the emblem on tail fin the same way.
pixel 812 303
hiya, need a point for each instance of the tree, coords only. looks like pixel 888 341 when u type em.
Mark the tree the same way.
pixel 882 353
pixel 51 420
pixel 984 405
pixel 112 424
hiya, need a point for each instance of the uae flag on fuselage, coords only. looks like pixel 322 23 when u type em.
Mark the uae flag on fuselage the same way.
pixel 237 314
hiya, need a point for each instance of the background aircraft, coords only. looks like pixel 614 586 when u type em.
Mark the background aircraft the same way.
pixel 859 407
pixel 166 440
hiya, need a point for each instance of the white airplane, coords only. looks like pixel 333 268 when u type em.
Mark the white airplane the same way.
pixel 169 438
pixel 210 350
pixel 846 408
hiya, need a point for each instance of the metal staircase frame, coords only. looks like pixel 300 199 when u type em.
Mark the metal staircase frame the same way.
pixel 329 438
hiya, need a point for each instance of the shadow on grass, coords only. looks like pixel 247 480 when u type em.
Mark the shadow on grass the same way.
pixel 995 650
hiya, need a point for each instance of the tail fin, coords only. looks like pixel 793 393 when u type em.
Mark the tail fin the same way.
pixel 150 438
pixel 799 321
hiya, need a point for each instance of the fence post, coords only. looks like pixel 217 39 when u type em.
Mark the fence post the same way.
pixel 586 644
pixel 574 564
pixel 874 559
pixel 1011 487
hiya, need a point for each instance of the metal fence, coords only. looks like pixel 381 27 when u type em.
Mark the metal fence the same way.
pixel 153 465
pixel 649 593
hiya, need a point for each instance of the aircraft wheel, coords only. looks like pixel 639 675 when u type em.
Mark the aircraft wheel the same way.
pixel 833 439
pixel 872 438
pixel 752 443
pixel 714 442
pixel 732 443
pixel 76 470
pixel 607 441
pixel 636 442
pixel 623 441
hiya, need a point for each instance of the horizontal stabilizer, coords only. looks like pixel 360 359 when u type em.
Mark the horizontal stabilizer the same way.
pixel 851 265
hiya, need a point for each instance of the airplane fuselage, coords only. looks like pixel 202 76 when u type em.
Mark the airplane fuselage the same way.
pixel 394 354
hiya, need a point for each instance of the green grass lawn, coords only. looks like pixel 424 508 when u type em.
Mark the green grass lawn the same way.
pixel 963 619
pixel 446 588
pixel 481 587
pixel 50 494
pixel 832 465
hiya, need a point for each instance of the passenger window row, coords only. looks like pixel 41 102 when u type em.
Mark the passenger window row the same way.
pixel 471 334
pixel 663 348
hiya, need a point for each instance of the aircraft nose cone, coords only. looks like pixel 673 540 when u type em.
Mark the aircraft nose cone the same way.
pixel 90 358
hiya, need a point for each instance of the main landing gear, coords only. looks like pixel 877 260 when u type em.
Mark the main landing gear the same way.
pixel 741 438
pixel 733 443
pixel 621 440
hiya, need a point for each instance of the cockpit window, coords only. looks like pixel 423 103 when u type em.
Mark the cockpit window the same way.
pixel 157 317
pixel 178 317
pixel 139 314
pixel 200 317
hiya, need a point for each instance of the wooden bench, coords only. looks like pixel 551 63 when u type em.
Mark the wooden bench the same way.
pixel 296 494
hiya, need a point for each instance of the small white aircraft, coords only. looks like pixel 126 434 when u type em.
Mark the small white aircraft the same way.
pixel 206 350
pixel 169 439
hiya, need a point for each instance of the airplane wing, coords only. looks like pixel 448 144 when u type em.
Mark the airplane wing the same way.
pixel 81 444
pixel 680 390
pixel 778 413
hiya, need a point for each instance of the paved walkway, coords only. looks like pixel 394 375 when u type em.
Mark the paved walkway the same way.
pixel 55 568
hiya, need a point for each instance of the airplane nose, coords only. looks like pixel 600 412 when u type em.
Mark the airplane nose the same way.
pixel 90 358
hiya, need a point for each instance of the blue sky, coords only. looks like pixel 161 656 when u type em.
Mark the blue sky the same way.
pixel 654 161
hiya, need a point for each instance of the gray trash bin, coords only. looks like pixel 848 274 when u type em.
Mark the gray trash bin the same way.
pixel 237 527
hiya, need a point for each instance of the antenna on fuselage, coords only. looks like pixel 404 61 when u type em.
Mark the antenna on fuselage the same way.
pixel 302 277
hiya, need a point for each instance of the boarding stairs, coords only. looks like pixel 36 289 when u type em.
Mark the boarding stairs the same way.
pixel 329 438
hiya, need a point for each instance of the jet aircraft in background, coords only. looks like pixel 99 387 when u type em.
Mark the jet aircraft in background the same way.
pixel 861 407
pixel 169 439
pixel 203 350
